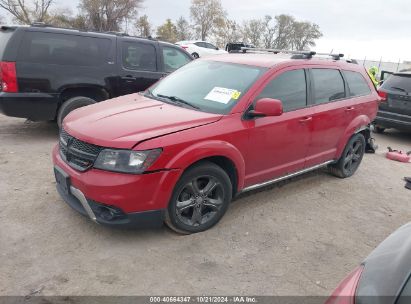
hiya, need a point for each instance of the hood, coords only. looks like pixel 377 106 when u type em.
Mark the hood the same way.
pixel 125 121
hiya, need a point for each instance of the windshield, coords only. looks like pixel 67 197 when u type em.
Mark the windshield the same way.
pixel 208 86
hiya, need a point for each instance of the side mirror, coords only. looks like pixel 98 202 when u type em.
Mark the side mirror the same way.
pixel 267 107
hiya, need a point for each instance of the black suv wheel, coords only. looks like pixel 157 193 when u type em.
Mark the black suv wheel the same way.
pixel 72 104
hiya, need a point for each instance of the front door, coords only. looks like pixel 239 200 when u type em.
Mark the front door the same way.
pixel 278 145
pixel 139 65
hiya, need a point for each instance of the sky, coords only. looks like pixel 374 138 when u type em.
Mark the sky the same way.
pixel 357 28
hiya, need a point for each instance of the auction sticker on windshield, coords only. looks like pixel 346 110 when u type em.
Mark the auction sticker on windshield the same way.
pixel 222 95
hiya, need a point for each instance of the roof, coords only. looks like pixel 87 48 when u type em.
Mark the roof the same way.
pixel 269 60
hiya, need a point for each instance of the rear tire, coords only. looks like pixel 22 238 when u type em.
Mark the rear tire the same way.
pixel 195 55
pixel 72 104
pixel 351 157
pixel 200 199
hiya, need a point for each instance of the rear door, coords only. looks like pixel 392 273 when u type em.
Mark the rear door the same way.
pixel 139 65
pixel 398 88
pixel 332 113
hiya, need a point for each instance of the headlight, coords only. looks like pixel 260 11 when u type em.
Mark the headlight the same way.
pixel 126 161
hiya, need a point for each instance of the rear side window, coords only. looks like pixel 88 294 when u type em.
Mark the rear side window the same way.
pixel 357 84
pixel 63 49
pixel 174 59
pixel 139 56
pixel 398 83
pixel 289 87
pixel 328 85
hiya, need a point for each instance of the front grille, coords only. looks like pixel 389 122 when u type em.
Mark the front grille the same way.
pixel 78 154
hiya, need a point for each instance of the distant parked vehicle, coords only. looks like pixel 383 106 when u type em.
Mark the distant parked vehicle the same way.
pixel 199 48
pixel 47 72
pixel 235 47
pixel 395 111
pixel 383 278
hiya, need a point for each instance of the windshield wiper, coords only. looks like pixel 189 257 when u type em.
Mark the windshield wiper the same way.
pixel 176 99
pixel 399 89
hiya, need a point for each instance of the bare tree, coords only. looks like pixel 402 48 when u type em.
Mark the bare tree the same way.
pixel 27 12
pixel 252 31
pixel 108 15
pixel 269 32
pixel 143 26
pixel 304 35
pixel 229 31
pixel 284 27
pixel 183 29
pixel 207 15
pixel 167 32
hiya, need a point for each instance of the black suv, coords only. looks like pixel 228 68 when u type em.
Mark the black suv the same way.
pixel 395 112
pixel 47 72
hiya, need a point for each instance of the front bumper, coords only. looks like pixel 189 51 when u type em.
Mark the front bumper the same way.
pixel 136 200
pixel 393 120
pixel 34 106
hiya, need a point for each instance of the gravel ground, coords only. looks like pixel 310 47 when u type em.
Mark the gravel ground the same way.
pixel 300 238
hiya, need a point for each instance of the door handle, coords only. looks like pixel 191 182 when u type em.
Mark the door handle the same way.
pixel 129 77
pixel 306 119
pixel 349 109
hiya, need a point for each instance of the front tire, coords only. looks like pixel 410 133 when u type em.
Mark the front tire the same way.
pixel 72 104
pixel 195 55
pixel 351 157
pixel 200 199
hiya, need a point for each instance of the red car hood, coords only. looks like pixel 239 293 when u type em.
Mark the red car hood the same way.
pixel 125 121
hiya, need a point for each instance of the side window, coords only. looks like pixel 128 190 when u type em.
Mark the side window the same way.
pixel 200 44
pixel 210 46
pixel 357 84
pixel 139 56
pixel 289 87
pixel 173 59
pixel 63 49
pixel 328 85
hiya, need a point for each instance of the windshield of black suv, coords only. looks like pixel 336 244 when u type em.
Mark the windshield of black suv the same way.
pixel 398 82
pixel 208 86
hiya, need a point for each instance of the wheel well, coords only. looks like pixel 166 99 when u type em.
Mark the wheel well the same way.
pixel 227 165
pixel 97 94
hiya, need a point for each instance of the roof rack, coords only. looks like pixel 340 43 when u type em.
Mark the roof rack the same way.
pixel 297 54
pixel 307 54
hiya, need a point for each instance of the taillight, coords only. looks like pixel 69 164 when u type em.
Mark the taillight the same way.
pixel 383 96
pixel 184 47
pixel 345 292
pixel 8 77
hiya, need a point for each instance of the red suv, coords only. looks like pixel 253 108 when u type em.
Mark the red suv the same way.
pixel 179 152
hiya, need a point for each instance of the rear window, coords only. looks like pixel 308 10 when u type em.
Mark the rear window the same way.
pixel 4 38
pixel 328 85
pixel 398 82
pixel 357 84
pixel 63 49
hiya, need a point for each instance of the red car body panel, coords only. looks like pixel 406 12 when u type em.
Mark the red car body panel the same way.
pixel 259 149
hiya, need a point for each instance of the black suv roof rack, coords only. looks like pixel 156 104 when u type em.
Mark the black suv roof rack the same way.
pixel 120 34
pixel 297 54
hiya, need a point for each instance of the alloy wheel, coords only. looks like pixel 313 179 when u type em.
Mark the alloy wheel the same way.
pixel 199 201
